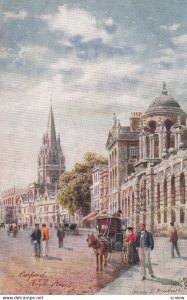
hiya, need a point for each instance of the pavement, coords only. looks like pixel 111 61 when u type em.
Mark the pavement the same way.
pixel 170 274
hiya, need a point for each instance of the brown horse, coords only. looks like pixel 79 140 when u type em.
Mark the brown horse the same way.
pixel 100 250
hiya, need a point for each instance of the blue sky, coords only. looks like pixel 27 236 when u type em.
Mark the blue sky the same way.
pixel 93 58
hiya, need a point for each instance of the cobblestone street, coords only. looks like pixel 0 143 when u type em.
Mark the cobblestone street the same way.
pixel 68 270
pixel 72 269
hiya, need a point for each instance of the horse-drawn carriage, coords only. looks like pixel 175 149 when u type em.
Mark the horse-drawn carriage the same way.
pixel 110 230
pixel 110 239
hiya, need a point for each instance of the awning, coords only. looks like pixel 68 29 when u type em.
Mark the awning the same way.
pixel 98 214
pixel 90 216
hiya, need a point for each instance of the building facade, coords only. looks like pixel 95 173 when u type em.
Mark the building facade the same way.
pixel 148 165
pixel 95 191
pixel 37 203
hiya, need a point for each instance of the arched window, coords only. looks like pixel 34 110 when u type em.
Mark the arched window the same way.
pixel 156 146
pixel 182 198
pixel 168 123
pixel 165 201
pixel 152 126
pixel 173 199
pixel 158 203
pixel 54 159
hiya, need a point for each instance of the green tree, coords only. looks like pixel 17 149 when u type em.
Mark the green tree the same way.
pixel 75 185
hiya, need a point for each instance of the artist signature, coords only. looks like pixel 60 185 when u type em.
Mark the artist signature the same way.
pixel 175 287
pixel 39 280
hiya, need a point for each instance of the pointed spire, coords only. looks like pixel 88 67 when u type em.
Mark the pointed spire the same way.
pixel 164 90
pixel 51 128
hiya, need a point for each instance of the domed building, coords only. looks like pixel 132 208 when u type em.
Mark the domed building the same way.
pixel 149 159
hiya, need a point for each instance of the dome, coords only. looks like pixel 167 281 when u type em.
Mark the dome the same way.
pixel 164 100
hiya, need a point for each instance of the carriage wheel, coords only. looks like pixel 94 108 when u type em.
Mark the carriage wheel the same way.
pixel 124 254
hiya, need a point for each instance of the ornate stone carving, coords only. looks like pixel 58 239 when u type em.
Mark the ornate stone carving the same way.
pixel 161 177
pixel 115 121
pixel 184 164
pixel 168 172
pixel 177 169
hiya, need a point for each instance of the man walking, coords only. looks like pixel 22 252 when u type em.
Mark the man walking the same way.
pixel 144 244
pixel 45 240
pixel 36 240
pixel 174 240
pixel 60 235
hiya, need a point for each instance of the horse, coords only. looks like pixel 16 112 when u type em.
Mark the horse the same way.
pixel 100 250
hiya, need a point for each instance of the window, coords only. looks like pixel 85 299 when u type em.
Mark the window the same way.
pixel 133 152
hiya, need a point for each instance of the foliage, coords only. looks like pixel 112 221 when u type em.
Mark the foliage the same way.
pixel 75 185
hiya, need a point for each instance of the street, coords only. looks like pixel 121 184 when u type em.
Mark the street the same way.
pixel 170 274
pixel 72 269
pixel 67 270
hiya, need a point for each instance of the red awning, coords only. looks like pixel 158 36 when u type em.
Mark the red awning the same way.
pixel 90 216
pixel 98 214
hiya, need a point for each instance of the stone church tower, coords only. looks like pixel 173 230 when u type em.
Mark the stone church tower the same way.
pixel 51 161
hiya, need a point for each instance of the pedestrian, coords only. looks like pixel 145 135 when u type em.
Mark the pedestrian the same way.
pixel 132 252
pixel 36 240
pixel 14 231
pixel 174 240
pixel 144 244
pixel 60 235
pixel 45 240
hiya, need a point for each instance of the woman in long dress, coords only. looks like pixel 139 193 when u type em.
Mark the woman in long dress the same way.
pixel 132 252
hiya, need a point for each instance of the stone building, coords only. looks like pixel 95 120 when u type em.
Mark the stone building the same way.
pixel 95 195
pixel 104 188
pixel 51 161
pixel 100 188
pixel 11 205
pixel 148 165
pixel 37 203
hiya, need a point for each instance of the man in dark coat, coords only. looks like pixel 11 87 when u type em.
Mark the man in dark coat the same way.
pixel 144 244
pixel 60 234
pixel 36 240
pixel 174 240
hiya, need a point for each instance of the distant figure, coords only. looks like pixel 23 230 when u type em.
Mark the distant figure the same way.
pixel 60 235
pixel 36 240
pixel 45 240
pixel 174 240
pixel 15 231
pixel 132 252
pixel 144 244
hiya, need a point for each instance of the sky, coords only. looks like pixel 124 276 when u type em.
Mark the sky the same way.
pixel 93 58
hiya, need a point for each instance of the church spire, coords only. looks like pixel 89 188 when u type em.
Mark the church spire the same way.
pixel 51 128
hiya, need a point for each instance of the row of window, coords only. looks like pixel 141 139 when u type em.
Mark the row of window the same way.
pixel 128 204
pixel 39 209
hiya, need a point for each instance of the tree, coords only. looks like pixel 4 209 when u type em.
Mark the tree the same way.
pixel 75 185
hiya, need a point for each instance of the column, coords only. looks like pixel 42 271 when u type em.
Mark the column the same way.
pixel 177 199
pixel 144 145
pixel 136 202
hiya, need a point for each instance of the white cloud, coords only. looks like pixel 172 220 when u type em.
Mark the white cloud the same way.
pixel 34 54
pixel 170 28
pixel 109 22
pixel 5 52
pixel 180 40
pixel 168 52
pixel 22 14
pixel 75 22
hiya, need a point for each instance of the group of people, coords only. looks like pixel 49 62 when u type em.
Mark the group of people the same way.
pixel 141 245
pixel 12 229
pixel 40 239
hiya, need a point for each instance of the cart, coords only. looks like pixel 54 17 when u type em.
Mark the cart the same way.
pixel 110 230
